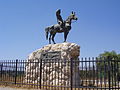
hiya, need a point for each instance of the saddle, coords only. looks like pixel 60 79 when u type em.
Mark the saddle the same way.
pixel 62 26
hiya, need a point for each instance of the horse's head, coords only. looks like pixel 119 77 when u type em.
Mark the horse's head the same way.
pixel 73 16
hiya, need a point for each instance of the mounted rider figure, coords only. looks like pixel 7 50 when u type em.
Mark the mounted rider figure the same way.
pixel 61 26
pixel 59 19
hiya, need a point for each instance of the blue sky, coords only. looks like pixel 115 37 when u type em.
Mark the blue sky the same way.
pixel 22 24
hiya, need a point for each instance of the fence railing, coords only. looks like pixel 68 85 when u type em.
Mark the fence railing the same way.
pixel 67 74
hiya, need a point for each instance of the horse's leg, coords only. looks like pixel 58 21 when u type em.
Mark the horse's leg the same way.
pixel 65 36
pixel 53 38
pixel 50 38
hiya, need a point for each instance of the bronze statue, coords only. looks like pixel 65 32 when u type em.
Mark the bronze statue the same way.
pixel 62 26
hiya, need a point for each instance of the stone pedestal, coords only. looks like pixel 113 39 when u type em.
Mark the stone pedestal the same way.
pixel 54 72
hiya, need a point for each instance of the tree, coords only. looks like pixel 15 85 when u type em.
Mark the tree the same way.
pixel 109 60
pixel 111 55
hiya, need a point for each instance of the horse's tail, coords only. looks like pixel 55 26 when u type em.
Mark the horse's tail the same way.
pixel 47 32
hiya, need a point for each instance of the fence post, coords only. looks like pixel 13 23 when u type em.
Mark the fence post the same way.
pixel 40 71
pixel 71 70
pixel 16 71
pixel 109 82
pixel 1 69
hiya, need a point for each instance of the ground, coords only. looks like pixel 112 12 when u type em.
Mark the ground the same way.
pixel 9 88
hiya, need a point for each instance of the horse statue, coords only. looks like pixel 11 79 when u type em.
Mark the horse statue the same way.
pixel 52 30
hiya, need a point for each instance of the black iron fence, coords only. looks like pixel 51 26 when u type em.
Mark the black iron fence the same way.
pixel 83 74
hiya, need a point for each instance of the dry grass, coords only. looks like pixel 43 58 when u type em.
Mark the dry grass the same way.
pixel 32 87
pixel 7 83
